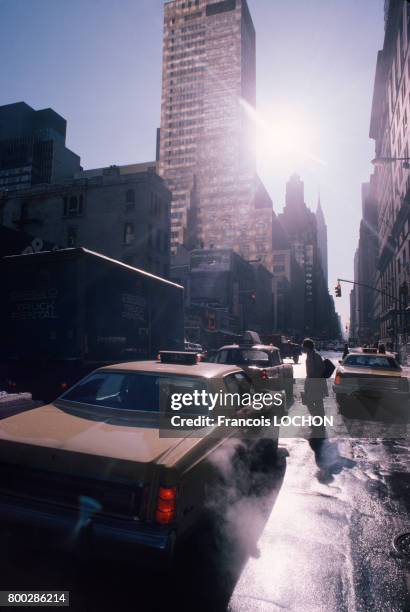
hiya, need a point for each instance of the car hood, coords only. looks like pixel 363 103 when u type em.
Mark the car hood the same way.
pixel 50 427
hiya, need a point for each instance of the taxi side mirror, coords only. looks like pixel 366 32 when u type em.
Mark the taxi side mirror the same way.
pixel 340 360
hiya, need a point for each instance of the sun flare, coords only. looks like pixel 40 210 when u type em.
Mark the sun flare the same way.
pixel 287 134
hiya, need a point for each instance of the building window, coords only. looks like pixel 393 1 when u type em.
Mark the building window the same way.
pixel 155 205
pixel 73 205
pixel 72 237
pixel 129 234
pixel 130 196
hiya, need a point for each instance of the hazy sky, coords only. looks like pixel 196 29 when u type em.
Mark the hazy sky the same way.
pixel 98 63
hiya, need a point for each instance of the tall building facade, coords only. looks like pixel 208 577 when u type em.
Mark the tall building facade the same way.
pixel 32 147
pixel 354 312
pixel 390 129
pixel 322 240
pixel 300 225
pixel 288 286
pixel 206 145
pixel 364 305
pixel 224 295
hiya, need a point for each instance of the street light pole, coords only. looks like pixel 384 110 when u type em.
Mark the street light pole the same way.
pixel 395 312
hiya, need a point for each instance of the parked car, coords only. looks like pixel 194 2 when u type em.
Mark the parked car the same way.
pixel 95 467
pixel 366 373
pixel 263 364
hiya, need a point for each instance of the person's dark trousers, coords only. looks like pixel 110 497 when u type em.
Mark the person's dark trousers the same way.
pixel 316 408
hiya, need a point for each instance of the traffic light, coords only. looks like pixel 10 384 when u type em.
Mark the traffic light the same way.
pixel 338 290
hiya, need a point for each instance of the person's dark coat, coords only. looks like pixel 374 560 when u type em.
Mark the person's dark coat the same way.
pixel 315 384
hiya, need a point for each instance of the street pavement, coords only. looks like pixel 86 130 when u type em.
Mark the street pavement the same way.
pixel 328 542
pixel 316 534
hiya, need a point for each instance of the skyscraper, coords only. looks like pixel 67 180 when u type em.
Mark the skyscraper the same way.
pixel 32 147
pixel 322 239
pixel 208 102
pixel 301 226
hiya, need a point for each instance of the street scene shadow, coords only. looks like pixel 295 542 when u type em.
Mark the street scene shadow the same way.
pixel 328 459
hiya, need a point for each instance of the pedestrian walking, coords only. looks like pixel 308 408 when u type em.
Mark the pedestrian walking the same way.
pixel 315 383
pixel 345 351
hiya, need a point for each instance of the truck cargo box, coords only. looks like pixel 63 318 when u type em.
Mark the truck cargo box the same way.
pixel 68 311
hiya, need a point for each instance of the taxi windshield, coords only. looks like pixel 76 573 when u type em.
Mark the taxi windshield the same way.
pixel 137 391
pixel 381 362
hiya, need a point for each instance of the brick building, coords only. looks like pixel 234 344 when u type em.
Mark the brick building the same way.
pixel 121 213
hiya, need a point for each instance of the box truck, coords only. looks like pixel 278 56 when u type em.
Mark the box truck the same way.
pixel 67 312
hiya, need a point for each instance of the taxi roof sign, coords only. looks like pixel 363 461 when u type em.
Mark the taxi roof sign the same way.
pixel 180 357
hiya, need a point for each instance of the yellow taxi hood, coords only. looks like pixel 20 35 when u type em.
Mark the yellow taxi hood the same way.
pixel 54 428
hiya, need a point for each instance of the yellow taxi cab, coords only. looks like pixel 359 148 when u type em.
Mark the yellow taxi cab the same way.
pixel 367 373
pixel 262 363
pixel 95 466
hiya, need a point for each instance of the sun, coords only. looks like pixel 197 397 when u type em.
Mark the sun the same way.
pixel 284 134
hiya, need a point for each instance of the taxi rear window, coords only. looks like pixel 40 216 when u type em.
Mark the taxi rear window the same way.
pixel 371 361
pixel 138 391
pixel 244 357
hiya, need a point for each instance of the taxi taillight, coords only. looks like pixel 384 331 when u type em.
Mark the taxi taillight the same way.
pixel 338 379
pixel 264 375
pixel 166 505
